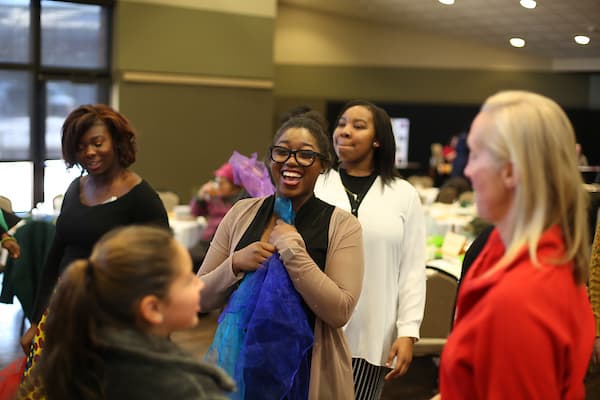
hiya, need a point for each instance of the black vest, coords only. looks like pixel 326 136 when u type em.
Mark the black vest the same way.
pixel 312 222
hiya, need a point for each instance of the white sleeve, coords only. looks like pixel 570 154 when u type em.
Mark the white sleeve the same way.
pixel 411 278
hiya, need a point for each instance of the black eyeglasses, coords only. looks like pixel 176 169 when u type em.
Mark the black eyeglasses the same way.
pixel 304 158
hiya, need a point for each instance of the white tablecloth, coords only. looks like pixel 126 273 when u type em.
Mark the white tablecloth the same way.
pixel 187 231
pixel 441 218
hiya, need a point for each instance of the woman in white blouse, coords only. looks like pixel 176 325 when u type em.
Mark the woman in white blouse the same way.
pixel 386 321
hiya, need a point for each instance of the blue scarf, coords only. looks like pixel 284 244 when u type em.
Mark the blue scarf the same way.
pixel 264 337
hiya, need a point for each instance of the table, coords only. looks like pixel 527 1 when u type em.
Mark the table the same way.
pixel 441 218
pixel 187 231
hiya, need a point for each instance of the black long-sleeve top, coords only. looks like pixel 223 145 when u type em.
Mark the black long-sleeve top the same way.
pixel 79 226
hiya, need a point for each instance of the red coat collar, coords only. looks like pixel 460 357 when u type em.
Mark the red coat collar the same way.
pixel 476 283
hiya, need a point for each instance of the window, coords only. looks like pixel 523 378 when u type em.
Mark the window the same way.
pixel 17 183
pixel 54 57
pixel 15 111
pixel 73 35
pixel 15 32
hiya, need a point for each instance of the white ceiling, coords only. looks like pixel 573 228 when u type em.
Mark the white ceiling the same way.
pixel 548 29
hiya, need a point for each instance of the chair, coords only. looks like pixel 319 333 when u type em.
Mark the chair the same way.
pixel 439 308
pixel 452 188
pixel 447 195
pixel 5 203
pixel 57 202
pixel 420 181
pixel 22 275
pixel 467 197
pixel 169 199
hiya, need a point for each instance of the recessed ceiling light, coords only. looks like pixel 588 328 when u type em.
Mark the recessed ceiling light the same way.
pixel 517 42
pixel 448 2
pixel 528 3
pixel 582 39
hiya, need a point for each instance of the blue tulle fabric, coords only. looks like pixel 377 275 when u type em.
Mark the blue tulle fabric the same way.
pixel 264 338
pixel 283 208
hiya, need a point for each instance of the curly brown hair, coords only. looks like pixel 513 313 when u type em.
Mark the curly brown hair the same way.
pixel 80 120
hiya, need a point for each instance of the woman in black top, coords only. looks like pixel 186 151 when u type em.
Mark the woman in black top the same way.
pixel 101 142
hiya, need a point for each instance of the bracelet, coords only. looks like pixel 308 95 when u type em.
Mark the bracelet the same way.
pixel 6 238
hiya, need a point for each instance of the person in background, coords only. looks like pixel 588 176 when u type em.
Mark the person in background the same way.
pixel 469 258
pixel 212 201
pixel 436 162
pixel 113 313
pixel 595 289
pixel 449 149
pixel 524 327
pixel 582 160
pixel 459 161
pixel 321 252
pixel 473 251
pixel 101 142
pixel 386 322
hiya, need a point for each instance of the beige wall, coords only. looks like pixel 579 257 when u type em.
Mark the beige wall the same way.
pixel 200 78
pixel 196 81
pixel 160 38
pixel 320 56
pixel 262 8
pixel 310 38
pixel 423 85
pixel 186 132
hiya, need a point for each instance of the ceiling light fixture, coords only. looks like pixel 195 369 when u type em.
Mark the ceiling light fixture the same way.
pixel 528 4
pixel 447 2
pixel 582 39
pixel 517 42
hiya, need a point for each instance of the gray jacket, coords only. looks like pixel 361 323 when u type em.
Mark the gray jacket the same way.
pixel 139 366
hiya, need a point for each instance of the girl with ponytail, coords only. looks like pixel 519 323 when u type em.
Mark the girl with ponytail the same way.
pixel 110 339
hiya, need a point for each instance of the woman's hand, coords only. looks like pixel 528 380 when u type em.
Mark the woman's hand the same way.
pixel 281 228
pixel 14 250
pixel 437 397
pixel 251 257
pixel 27 338
pixel 402 351
pixel 207 191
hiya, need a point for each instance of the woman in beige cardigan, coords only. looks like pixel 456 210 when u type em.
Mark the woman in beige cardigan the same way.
pixel 322 252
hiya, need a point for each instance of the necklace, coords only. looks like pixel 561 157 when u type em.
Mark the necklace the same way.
pixel 360 187
pixel 351 193
pixel 355 200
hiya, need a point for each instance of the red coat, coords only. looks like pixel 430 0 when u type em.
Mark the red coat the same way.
pixel 523 332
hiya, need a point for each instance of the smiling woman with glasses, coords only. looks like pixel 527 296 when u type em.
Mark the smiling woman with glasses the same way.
pixel 304 158
pixel 321 255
